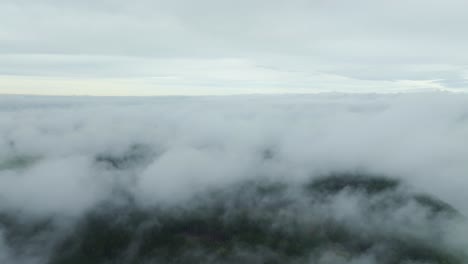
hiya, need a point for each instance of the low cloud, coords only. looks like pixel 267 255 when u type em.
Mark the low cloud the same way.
pixel 65 161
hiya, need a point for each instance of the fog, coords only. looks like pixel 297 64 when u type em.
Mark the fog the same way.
pixel 64 158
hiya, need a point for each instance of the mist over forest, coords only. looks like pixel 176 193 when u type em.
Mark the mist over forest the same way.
pixel 325 178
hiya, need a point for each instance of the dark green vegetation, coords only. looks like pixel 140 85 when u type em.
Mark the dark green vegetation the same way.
pixel 261 221
pixel 17 162
pixel 137 155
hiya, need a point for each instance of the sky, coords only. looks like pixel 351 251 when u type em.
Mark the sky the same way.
pixel 186 47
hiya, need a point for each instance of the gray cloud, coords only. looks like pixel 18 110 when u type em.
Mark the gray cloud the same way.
pixel 364 41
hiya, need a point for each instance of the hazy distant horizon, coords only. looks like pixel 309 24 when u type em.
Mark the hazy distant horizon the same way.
pixel 185 47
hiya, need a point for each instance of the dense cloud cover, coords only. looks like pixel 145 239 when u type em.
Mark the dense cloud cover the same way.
pixel 66 160
pixel 219 46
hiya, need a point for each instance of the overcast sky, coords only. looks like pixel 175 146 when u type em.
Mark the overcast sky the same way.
pixel 155 47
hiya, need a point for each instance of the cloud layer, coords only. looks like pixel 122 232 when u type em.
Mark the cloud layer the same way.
pixel 182 47
pixel 61 159
pixel 416 136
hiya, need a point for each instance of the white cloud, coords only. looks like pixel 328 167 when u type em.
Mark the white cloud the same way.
pixel 65 156
pixel 416 137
